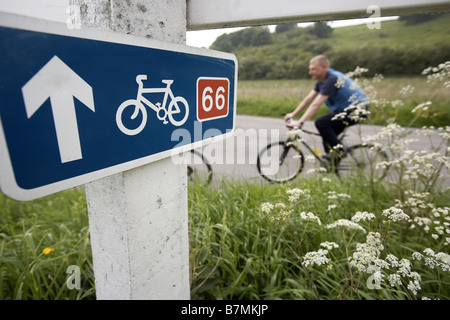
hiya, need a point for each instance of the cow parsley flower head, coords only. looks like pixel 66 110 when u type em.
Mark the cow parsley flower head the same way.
pixel 362 216
pixel 310 216
pixel 294 194
pixel 329 245
pixel 414 286
pixel 315 257
pixel 346 224
pixel 367 253
pixel 266 207
pixel 439 259
pixel 395 214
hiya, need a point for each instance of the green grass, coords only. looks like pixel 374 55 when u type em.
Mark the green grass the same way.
pixel 390 35
pixel 58 222
pixel 236 250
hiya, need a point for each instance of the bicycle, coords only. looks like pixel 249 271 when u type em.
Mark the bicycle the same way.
pixel 198 168
pixel 161 111
pixel 359 159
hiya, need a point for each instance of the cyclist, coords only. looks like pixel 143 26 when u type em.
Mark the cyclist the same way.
pixel 340 94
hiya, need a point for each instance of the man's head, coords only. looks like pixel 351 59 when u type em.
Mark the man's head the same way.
pixel 318 67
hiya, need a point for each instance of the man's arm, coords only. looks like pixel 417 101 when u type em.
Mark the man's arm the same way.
pixel 310 112
pixel 313 108
pixel 308 99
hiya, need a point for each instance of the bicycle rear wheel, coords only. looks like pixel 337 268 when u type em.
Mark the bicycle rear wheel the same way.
pixel 278 162
pixel 361 161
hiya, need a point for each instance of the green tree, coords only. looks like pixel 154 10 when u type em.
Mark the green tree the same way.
pixel 285 27
pixel 223 43
pixel 321 29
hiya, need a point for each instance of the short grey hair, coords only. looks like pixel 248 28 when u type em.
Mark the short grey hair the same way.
pixel 321 60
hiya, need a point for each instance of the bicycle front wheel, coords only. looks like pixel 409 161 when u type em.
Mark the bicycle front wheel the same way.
pixel 279 162
pixel 178 111
pixel 361 161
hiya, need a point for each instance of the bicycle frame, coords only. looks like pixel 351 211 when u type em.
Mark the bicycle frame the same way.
pixel 291 162
pixel 297 138
pixel 156 107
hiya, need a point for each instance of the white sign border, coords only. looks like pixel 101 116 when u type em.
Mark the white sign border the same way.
pixel 8 183
pixel 209 14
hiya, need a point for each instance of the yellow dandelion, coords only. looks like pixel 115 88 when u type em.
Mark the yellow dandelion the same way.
pixel 47 251
pixel 317 151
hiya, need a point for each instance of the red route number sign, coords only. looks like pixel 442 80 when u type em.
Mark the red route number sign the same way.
pixel 212 98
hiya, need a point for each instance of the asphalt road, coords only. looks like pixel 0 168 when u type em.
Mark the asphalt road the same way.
pixel 235 157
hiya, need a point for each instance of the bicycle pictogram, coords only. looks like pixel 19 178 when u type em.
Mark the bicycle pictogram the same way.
pixel 177 110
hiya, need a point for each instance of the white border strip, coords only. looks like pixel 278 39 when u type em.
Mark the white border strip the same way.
pixel 208 14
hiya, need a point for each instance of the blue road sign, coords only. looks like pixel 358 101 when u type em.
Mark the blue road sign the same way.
pixel 78 105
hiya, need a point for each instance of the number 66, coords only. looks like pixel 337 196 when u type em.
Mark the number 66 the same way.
pixel 212 98
pixel 207 100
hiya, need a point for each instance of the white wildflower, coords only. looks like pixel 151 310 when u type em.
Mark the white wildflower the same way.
pixel 346 224
pixel 332 195
pixel 362 216
pixel 422 107
pixel 340 82
pixel 439 259
pixel 315 257
pixel 294 134
pixel 393 260
pixel 414 286
pixel 404 267
pixel 367 253
pixel 266 207
pixel 331 207
pixel 417 256
pixel 310 216
pixel 329 245
pixel 407 90
pixel 395 214
pixel 395 279
pixel 294 194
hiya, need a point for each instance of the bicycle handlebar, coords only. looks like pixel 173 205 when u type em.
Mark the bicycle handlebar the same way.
pixel 298 128
pixel 287 126
pixel 140 78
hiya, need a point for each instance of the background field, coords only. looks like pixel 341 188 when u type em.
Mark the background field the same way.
pixel 402 47
pixel 273 98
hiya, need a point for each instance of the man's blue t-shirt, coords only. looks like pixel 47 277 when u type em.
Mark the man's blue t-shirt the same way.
pixel 341 91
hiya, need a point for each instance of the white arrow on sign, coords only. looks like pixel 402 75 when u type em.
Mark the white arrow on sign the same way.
pixel 60 83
